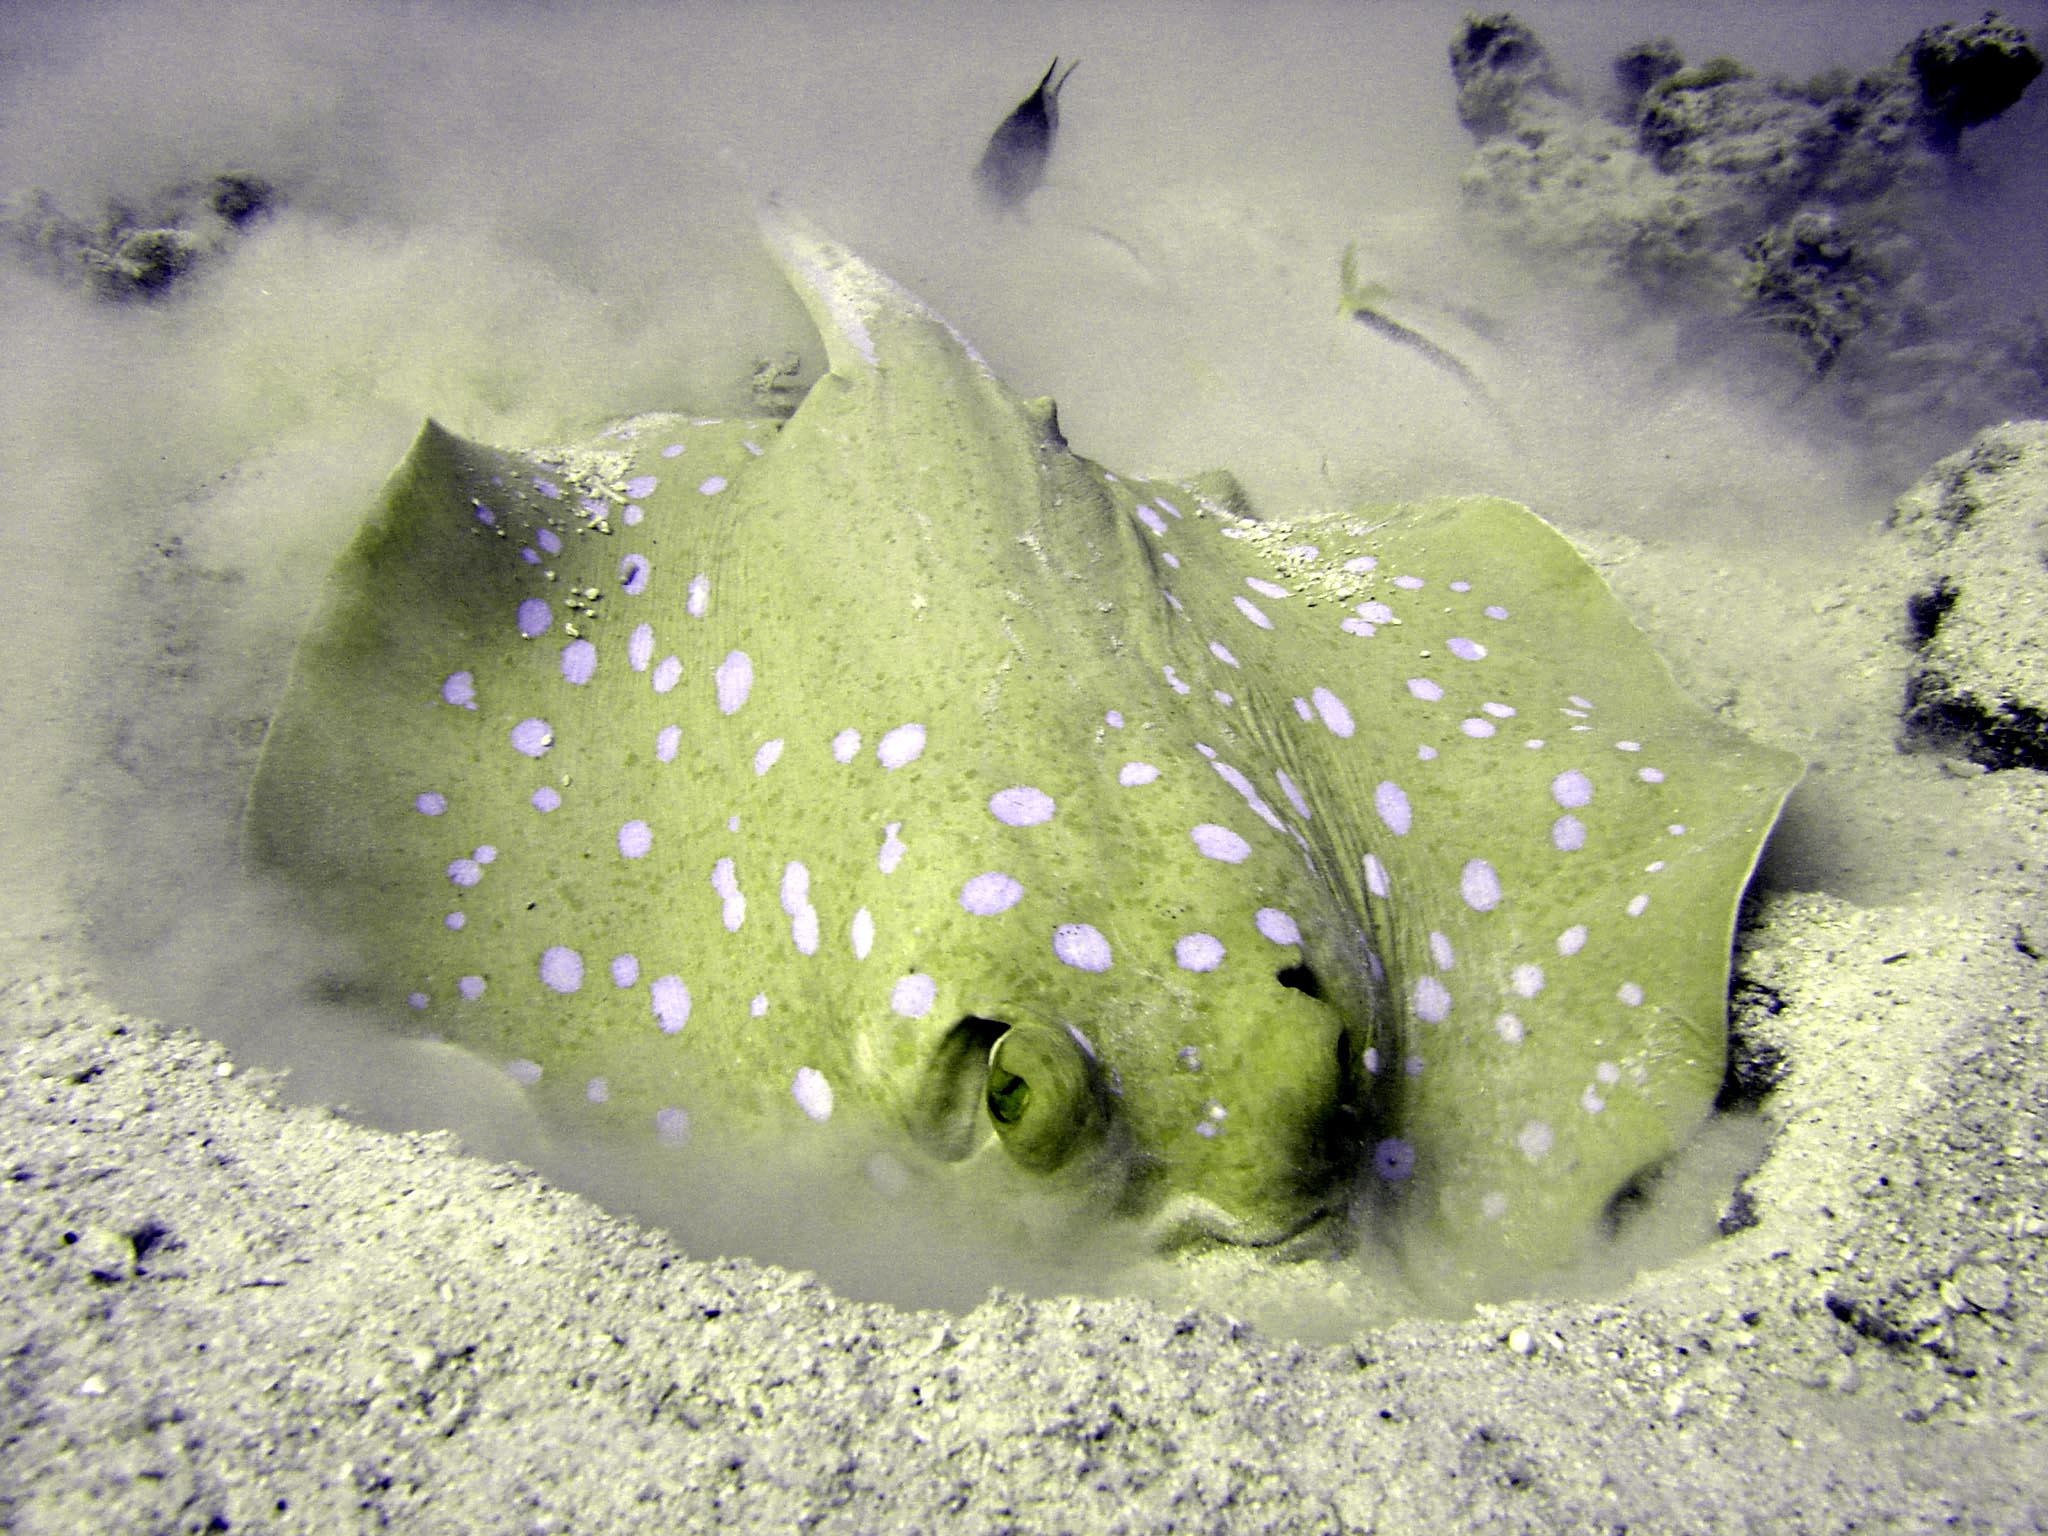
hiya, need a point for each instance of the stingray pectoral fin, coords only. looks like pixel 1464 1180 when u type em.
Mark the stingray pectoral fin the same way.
pixel 1548 840
pixel 1584 1009
pixel 315 808
pixel 457 771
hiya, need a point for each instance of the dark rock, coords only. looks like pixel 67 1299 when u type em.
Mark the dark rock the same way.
pixel 1779 144
pixel 1810 280
pixel 1977 526
pixel 130 253
pixel 1498 65
pixel 1740 1214
pixel 143 263
pixel 1968 75
pixel 1638 69
pixel 238 197
pixel 1756 1063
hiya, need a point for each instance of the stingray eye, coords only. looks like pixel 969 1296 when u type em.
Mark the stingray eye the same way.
pixel 1041 1095
pixel 1009 1096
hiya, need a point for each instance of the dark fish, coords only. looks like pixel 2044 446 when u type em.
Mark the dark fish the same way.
pixel 1014 163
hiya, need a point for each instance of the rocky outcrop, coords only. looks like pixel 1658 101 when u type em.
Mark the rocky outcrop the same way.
pixel 1977 525
pixel 1814 211
pixel 137 252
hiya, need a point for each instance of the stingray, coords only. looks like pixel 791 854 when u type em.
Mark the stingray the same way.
pixel 895 765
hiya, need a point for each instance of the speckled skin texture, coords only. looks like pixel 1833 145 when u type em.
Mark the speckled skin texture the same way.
pixel 873 768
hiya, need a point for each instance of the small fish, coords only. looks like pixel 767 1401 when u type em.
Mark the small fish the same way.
pixel 1014 163
pixel 1362 300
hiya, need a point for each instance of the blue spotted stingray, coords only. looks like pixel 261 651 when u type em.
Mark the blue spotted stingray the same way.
pixel 897 765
